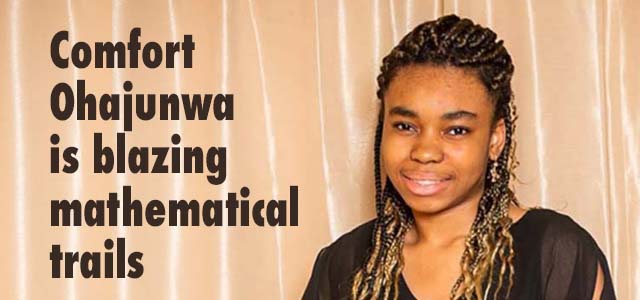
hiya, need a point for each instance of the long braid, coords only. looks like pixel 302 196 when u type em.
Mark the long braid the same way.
pixel 449 41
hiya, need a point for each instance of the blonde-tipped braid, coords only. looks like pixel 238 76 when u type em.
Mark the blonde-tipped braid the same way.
pixel 488 254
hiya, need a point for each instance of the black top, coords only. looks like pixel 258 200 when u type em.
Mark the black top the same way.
pixel 555 259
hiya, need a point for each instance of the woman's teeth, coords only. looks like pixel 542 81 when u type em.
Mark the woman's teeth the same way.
pixel 428 182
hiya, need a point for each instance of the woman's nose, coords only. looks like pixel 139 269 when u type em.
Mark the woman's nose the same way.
pixel 427 149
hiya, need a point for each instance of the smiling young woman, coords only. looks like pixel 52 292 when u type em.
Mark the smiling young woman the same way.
pixel 448 225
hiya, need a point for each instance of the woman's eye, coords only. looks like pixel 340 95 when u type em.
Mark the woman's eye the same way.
pixel 456 131
pixel 403 126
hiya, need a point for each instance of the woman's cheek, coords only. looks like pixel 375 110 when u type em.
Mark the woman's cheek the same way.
pixel 458 152
pixel 398 146
pixel 394 150
pixel 469 158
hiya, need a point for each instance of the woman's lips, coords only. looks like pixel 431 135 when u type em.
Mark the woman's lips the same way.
pixel 421 186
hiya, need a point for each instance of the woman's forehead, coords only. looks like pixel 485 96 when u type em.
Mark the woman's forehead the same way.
pixel 426 89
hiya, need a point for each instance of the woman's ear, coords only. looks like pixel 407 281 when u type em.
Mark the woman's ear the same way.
pixel 497 139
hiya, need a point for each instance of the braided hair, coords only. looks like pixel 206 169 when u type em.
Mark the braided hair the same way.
pixel 487 261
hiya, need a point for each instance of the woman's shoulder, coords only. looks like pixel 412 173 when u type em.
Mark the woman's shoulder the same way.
pixel 551 225
pixel 355 239
pixel 552 232
pixel 337 262
pixel 567 254
pixel 349 250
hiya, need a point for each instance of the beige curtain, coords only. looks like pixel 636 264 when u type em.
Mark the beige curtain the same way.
pixel 303 77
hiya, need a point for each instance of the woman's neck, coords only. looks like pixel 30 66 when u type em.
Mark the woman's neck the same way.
pixel 444 227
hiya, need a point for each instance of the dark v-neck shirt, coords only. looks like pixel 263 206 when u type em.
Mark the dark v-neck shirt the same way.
pixel 555 259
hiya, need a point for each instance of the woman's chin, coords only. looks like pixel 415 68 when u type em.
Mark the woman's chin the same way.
pixel 424 206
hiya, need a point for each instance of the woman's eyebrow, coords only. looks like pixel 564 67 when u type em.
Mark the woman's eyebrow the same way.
pixel 452 115
pixel 459 114
pixel 403 111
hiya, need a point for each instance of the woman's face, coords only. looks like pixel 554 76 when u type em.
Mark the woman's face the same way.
pixel 438 136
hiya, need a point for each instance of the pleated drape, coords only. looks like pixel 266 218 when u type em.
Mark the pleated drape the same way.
pixel 303 78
